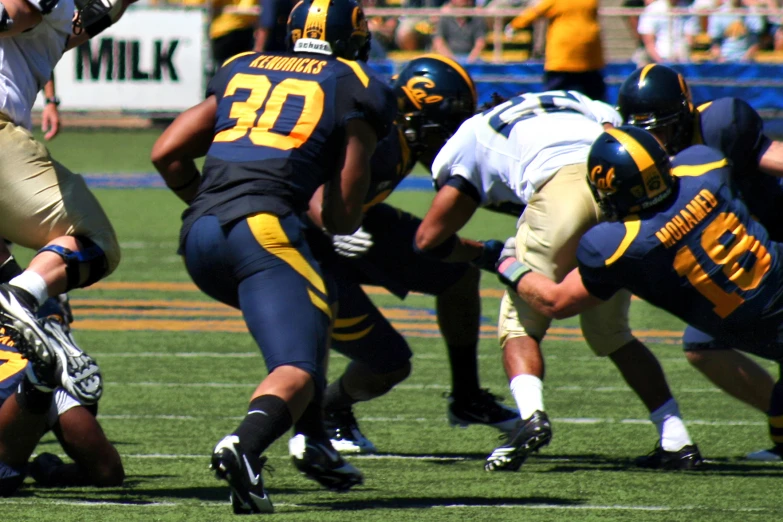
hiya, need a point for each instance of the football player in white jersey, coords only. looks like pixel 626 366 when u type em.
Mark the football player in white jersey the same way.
pixel 46 207
pixel 532 150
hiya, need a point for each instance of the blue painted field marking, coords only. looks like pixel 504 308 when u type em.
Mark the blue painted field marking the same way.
pixel 132 180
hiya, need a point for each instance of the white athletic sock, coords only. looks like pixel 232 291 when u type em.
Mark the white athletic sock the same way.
pixel 32 283
pixel 528 392
pixel 671 429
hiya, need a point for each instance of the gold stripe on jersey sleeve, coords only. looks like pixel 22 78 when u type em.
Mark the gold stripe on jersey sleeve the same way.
pixel 352 336
pixel 347 322
pixel 686 171
pixel 240 55
pixel 357 70
pixel 632 227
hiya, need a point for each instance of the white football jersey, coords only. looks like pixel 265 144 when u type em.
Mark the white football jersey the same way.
pixel 27 59
pixel 510 151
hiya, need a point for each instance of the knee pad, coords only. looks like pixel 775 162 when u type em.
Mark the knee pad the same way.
pixel 91 256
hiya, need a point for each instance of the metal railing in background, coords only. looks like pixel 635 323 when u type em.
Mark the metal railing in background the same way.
pixel 502 16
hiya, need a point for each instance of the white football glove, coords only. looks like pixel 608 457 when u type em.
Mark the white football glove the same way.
pixel 353 245
pixel 509 248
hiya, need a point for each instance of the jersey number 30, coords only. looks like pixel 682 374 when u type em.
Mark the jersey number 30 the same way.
pixel 731 256
pixel 260 126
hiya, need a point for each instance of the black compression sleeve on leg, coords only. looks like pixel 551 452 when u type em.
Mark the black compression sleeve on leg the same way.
pixel 266 421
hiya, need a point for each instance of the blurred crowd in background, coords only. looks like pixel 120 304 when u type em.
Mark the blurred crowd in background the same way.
pixel 715 30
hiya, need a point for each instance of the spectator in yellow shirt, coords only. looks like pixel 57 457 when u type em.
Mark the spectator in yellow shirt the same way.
pixel 574 56
pixel 230 32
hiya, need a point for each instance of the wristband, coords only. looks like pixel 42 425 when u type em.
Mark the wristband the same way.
pixel 53 100
pixel 510 271
pixel 490 255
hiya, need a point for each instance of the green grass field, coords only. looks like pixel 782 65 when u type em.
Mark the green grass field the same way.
pixel 179 370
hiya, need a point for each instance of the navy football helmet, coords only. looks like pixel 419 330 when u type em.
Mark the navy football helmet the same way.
pixel 335 27
pixel 434 96
pixel 628 171
pixel 656 98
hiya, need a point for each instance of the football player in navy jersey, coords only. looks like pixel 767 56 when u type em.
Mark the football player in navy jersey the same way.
pixel 679 238
pixel 434 94
pixel 274 128
pixel 657 98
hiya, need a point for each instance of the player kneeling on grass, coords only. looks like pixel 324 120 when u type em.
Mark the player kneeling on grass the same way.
pixel 678 237
pixel 32 402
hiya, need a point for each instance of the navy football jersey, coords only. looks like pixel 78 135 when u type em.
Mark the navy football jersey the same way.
pixel 391 162
pixel 735 128
pixel 280 130
pixel 703 258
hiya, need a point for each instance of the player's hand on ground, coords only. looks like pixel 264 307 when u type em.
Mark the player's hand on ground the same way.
pixel 353 245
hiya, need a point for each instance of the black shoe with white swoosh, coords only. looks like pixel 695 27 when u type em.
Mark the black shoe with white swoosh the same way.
pixel 319 461
pixel 55 359
pixel 482 407
pixel 231 464
pixel 531 435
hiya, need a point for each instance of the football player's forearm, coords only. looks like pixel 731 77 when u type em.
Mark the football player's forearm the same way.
pixel 772 161
pixel 344 196
pixel 449 212
pixel 187 138
pixel 555 300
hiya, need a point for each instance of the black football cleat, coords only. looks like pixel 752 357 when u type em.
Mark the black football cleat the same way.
pixel 319 461
pixel 530 435
pixel 55 359
pixel 686 458
pixel 231 464
pixel 774 454
pixel 344 432
pixel 43 467
pixel 482 408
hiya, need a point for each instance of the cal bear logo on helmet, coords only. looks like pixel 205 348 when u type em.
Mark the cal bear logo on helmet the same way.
pixel 416 90
pixel 604 183
pixel 359 22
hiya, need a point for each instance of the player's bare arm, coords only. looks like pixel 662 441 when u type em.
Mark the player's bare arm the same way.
pixel 343 196
pixel 772 160
pixel 450 211
pixel 187 138
pixel 556 300
pixel 17 16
